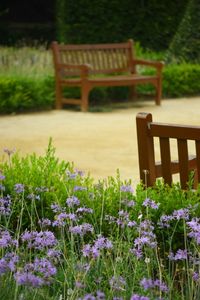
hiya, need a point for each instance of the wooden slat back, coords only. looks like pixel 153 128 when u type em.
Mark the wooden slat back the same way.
pixel 102 58
pixel 146 131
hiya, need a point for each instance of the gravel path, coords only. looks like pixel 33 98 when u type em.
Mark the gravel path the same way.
pixel 97 143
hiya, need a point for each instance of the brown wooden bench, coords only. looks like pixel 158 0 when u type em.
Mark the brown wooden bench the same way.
pixel 147 130
pixel 89 66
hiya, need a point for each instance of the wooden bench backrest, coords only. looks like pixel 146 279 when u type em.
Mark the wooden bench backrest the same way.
pixel 102 58
pixel 146 131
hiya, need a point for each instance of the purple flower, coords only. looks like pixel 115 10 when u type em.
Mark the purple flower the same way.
pixel 53 253
pixel 84 210
pixel 80 188
pixel 39 240
pixel 5 206
pixel 6 240
pixel 32 196
pixel 150 203
pixel 19 188
pixel 149 284
pixel 194 227
pixel 44 222
pixel 36 274
pixel 126 188
pixel 100 295
pixel 137 297
pixel 72 201
pixel 195 276
pixel 81 229
pixel 56 208
pixel 8 263
pixel 182 213
pixel 2 177
pixel 180 255
pixel 165 220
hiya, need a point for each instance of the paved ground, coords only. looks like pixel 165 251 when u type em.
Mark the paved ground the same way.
pixel 97 143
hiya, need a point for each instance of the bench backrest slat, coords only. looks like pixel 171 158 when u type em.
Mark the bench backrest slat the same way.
pixel 102 58
pixel 147 130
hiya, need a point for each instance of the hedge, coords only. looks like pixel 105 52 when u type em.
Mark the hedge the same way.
pixel 20 94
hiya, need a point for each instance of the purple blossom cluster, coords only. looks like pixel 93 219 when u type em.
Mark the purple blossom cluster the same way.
pixel 19 188
pixel 180 255
pixel 180 214
pixel 8 263
pixel 122 220
pixel 150 203
pixel 6 240
pixel 126 189
pixel 138 297
pixel 39 240
pixel 2 177
pixel 81 229
pixel 194 227
pixel 95 296
pixel 36 274
pixel 99 244
pixel 5 205
pixel 72 201
pixel 146 238
pixel 151 284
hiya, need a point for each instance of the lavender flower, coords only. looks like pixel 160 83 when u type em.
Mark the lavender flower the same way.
pixel 137 297
pixel 165 220
pixel 94 250
pixel 36 274
pixel 82 210
pixel 182 213
pixel 195 276
pixel 19 188
pixel 194 227
pixel 72 201
pixel 150 203
pixel 126 188
pixel 149 284
pixel 8 263
pixel 56 208
pixel 44 222
pixel 39 240
pixel 6 240
pixel 81 229
pixel 180 255
pixel 33 196
pixel 80 188
pixel 2 177
pixel 5 205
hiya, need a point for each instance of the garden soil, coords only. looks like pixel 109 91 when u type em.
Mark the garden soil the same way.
pixel 97 143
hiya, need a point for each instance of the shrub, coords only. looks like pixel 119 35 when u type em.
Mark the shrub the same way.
pixel 63 236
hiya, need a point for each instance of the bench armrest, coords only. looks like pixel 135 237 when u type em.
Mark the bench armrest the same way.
pixel 156 64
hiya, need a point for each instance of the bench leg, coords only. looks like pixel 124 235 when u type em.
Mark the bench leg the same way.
pixel 158 92
pixel 84 98
pixel 58 104
pixel 132 93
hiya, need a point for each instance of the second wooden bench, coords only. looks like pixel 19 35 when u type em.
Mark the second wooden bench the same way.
pixel 89 66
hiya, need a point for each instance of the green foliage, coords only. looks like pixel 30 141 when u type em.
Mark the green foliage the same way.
pixel 185 45
pixel 181 80
pixel 147 234
pixel 20 94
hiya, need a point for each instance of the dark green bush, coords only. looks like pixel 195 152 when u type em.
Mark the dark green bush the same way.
pixel 19 94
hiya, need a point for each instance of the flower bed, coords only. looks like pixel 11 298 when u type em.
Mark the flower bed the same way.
pixel 62 236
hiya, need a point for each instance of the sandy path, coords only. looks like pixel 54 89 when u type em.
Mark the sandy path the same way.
pixel 97 143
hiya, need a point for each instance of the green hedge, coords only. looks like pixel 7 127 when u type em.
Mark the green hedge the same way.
pixel 20 94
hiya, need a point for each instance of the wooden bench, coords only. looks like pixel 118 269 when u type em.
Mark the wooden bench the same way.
pixel 147 130
pixel 89 66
